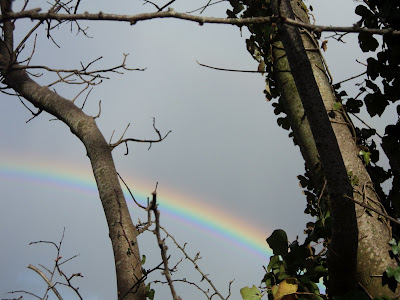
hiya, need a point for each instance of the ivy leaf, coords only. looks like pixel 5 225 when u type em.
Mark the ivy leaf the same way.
pixel 395 247
pixel 353 105
pixel 250 293
pixel 287 287
pixel 320 269
pixel 230 14
pixel 376 104
pixel 269 279
pixel 149 292
pixel 372 68
pixel 362 11
pixel 371 85
pixel 273 262
pixel 303 181
pixel 278 108
pixel 366 156
pixel 395 273
pixel 278 242
pixel 237 8
pixel 337 105
pixel 283 122
pixel 367 42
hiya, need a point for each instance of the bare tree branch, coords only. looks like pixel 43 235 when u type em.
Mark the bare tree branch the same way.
pixel 196 266
pixel 35 14
pixel 161 244
pixel 85 76
pixel 160 138
pixel 49 283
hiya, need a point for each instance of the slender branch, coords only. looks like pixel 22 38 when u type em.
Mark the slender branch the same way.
pixel 193 261
pixel 351 78
pixel 84 70
pixel 160 138
pixel 133 19
pixel 129 190
pixel 373 209
pixel 166 5
pixel 163 247
pixel 362 121
pixel 205 6
pixel 22 297
pixel 229 70
pixel 187 282
pixel 49 283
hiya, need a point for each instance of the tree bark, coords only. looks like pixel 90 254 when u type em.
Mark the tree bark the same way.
pixel 121 230
pixel 373 232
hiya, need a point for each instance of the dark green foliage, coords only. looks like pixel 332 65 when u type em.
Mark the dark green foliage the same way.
pixel 295 261
pixel 367 42
pixel 278 242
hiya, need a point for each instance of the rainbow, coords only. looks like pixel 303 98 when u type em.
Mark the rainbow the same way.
pixel 182 208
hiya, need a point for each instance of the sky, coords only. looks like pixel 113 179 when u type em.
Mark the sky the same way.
pixel 226 174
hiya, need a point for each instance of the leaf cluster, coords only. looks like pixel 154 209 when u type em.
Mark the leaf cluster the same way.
pixel 296 261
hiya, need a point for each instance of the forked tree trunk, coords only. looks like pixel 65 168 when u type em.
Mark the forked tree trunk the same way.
pixel 121 230
pixel 373 231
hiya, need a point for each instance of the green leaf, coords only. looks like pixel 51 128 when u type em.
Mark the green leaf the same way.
pixel 320 269
pixel 149 292
pixel 143 259
pixel 395 248
pixel 372 68
pixel 269 280
pixel 278 242
pixel 376 103
pixel 284 122
pixel 337 105
pixel 353 105
pixel 274 262
pixel 362 11
pixel 395 273
pixel 371 85
pixel 250 293
pixel 366 156
pixel 367 42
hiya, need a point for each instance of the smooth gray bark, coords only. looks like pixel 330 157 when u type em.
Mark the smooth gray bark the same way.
pixel 342 256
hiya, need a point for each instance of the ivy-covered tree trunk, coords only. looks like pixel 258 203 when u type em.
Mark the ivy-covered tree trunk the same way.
pixel 374 233
pixel 121 230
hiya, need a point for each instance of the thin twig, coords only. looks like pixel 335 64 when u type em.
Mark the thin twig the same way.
pixel 229 70
pixel 351 78
pixel 193 261
pixel 129 190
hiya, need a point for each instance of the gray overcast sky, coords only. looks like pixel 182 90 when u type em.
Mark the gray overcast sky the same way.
pixel 225 150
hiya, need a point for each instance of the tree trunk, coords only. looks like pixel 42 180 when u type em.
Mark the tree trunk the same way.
pixel 373 232
pixel 121 230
